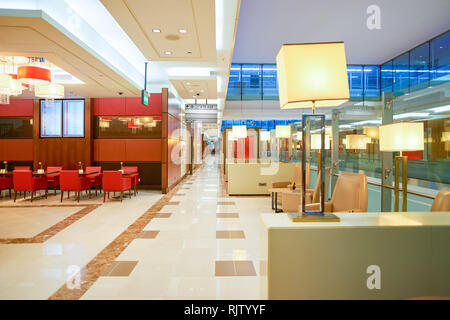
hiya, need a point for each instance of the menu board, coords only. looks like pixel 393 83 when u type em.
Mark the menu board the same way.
pixel 73 111
pixel 62 118
pixel 51 118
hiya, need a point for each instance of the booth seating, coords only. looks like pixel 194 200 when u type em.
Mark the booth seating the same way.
pixel 134 176
pixel 5 183
pixel 291 201
pixel 95 178
pixel 53 179
pixel 23 180
pixel 70 180
pixel 442 201
pixel 350 194
pixel 115 181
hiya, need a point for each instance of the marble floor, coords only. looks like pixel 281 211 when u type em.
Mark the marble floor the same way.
pixel 193 243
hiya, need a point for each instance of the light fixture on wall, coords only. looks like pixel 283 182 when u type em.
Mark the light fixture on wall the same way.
pixel 283 131
pixel 239 131
pixel 399 137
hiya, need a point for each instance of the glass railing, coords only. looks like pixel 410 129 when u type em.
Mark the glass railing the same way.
pixel 424 66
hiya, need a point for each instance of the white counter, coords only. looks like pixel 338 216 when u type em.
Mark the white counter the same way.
pixel 329 260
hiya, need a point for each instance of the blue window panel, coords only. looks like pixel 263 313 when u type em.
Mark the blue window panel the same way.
pixel 419 74
pixel 371 83
pixel 355 82
pixel 387 77
pixel 270 83
pixel 234 83
pixel 440 59
pixel 401 74
pixel 251 82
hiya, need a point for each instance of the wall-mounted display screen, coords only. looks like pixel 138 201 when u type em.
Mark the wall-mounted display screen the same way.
pixel 51 119
pixel 73 111
pixel 62 118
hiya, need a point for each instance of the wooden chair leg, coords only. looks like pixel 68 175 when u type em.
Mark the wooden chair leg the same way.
pixel 46 193
pixel 55 190
pixel 96 190
pixel 121 196
pixel 24 194
pixel 62 193
pixel 10 193
pixel 135 190
pixel 104 197
pixel 129 192
pixel 78 197
pixel 32 194
pixel 15 195
pixel 108 194
pixel 68 194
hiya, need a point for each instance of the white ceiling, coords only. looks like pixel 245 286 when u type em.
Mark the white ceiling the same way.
pixel 264 25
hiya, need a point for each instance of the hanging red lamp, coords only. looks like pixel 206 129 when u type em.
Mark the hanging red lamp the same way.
pixel 33 75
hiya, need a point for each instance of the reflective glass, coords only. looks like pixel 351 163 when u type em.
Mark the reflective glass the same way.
pixel 270 83
pixel 387 77
pixel 251 82
pixel 234 83
pixel 355 82
pixel 440 59
pixel 419 68
pixel 371 82
pixel 401 74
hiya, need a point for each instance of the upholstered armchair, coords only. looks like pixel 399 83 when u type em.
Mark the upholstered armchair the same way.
pixel 350 194
pixel 442 201
pixel 291 201
pixel 296 177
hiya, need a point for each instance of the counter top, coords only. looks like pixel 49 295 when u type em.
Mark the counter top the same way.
pixel 362 219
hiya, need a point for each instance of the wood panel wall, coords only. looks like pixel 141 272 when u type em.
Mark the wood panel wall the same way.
pixel 65 152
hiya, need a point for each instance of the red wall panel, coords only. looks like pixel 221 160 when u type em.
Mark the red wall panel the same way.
pixel 127 106
pixel 16 149
pixel 17 108
pixel 127 149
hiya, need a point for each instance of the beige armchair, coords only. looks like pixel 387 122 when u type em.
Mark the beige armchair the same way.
pixel 442 201
pixel 350 194
pixel 296 177
pixel 291 201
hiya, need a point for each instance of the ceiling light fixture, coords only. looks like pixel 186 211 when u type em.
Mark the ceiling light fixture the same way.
pixel 168 53
pixel 182 31
pixel 156 30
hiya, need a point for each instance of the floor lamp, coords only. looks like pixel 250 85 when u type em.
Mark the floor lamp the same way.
pixel 312 75
pixel 399 137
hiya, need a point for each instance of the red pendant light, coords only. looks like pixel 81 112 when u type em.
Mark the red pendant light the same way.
pixel 33 75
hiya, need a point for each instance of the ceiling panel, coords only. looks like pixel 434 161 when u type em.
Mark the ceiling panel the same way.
pixel 200 89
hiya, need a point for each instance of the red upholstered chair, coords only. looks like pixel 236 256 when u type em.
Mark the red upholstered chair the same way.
pixel 23 180
pixel 5 183
pixel 115 181
pixel 70 180
pixel 53 179
pixel 134 177
pixel 22 168
pixel 96 178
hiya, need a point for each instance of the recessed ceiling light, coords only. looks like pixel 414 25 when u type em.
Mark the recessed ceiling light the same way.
pixel 156 30
pixel 182 31
pixel 188 83
pixel 168 53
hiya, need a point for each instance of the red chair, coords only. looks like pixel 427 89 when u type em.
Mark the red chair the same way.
pixel 70 180
pixel 22 168
pixel 134 177
pixel 96 178
pixel 114 181
pixel 53 179
pixel 5 183
pixel 23 180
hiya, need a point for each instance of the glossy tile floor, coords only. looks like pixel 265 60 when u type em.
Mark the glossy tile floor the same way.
pixel 200 245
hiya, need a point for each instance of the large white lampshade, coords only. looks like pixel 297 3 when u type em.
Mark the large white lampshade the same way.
pixel 264 135
pixel 356 141
pixel 283 131
pixel 316 140
pixel 401 136
pixel 372 132
pixel 49 91
pixel 240 131
pixel 312 74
